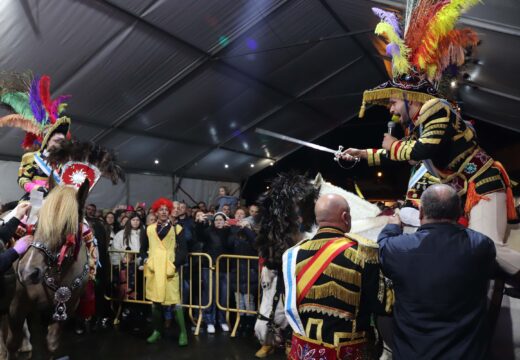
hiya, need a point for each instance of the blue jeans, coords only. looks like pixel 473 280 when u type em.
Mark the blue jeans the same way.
pixel 212 313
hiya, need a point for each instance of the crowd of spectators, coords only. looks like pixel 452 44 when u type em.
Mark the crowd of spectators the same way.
pixel 225 227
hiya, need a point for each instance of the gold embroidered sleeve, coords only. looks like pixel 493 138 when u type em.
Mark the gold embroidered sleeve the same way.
pixel 26 170
pixel 374 156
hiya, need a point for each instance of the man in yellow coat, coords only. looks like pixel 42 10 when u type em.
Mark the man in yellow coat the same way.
pixel 164 251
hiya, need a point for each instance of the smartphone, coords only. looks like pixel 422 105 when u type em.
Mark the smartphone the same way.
pixel 233 222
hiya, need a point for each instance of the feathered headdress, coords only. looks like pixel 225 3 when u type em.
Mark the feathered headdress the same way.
pixel 422 49
pixel 32 109
pixel 82 160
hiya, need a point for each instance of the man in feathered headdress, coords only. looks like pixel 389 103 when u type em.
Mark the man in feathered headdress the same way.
pixel 34 111
pixel 445 144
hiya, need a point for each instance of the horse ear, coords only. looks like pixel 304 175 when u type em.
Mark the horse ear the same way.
pixel 318 180
pixel 82 195
pixel 51 183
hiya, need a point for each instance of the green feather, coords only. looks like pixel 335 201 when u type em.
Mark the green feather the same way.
pixel 19 102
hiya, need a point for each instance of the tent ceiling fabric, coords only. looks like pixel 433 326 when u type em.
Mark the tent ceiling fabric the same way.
pixel 187 82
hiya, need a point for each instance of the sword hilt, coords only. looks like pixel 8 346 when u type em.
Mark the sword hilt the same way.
pixel 337 154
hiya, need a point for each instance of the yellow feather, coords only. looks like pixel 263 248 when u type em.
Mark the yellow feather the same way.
pixel 400 63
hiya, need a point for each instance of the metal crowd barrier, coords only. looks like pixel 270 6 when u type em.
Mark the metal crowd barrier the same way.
pixel 128 283
pixel 231 266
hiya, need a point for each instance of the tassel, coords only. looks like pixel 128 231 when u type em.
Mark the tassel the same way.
pixel 512 216
pixel 390 299
pixel 331 289
pixel 472 198
pixel 343 274
pixel 362 110
pixel 464 221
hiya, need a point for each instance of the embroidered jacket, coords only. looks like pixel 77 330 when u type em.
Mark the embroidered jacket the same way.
pixel 451 146
pixel 339 306
pixel 30 172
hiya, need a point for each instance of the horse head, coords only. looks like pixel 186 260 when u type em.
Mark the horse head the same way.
pixel 57 240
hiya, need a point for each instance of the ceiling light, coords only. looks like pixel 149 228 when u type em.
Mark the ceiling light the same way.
pixel 226 166
pixel 252 165
pixel 271 163
pixel 156 161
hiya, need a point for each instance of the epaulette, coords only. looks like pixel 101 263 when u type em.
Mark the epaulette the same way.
pixel 28 156
pixel 368 250
pixel 430 108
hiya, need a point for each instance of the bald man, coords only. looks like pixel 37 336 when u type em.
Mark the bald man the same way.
pixel 333 287
pixel 440 276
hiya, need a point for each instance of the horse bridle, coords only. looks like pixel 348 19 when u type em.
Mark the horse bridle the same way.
pixel 62 293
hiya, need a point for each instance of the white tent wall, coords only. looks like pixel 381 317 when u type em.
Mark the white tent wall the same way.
pixel 147 188
pixel 190 190
pixel 137 188
pixel 9 189
pixel 105 195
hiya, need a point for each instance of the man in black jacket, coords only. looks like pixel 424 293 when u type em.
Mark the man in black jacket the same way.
pixel 440 275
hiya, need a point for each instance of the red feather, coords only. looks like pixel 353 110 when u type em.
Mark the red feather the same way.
pixel 450 49
pixel 30 141
pixel 416 32
pixel 45 95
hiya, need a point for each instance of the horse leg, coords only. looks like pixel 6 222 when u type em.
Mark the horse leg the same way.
pixel 26 342
pixel 53 337
pixel 17 316
pixel 3 336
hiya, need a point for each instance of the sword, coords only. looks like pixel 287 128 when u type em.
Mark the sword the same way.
pixel 275 135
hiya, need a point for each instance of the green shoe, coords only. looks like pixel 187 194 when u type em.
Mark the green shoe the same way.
pixel 183 338
pixel 152 339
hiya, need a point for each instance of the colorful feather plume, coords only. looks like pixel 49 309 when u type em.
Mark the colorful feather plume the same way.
pixel 389 27
pixel 35 101
pixel 58 105
pixel 19 121
pixel 390 18
pixel 430 43
pixel 31 141
pixel 29 100
pixel 438 28
pixel 45 95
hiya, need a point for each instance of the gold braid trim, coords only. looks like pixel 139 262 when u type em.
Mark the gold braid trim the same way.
pixel 370 157
pixel 390 299
pixel 343 274
pixel 314 244
pixel 337 291
pixel 461 156
pixel 301 264
pixel 326 310
pixel 430 141
pixel 368 250
pixel 381 96
pixel 429 108
pixel 488 180
pixel 433 132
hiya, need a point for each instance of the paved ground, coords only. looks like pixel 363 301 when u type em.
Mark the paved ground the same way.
pixel 117 344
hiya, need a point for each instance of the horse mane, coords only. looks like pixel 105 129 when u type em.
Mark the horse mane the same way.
pixel 289 197
pixel 58 216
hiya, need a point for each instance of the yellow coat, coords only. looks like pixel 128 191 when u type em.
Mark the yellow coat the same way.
pixel 162 279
